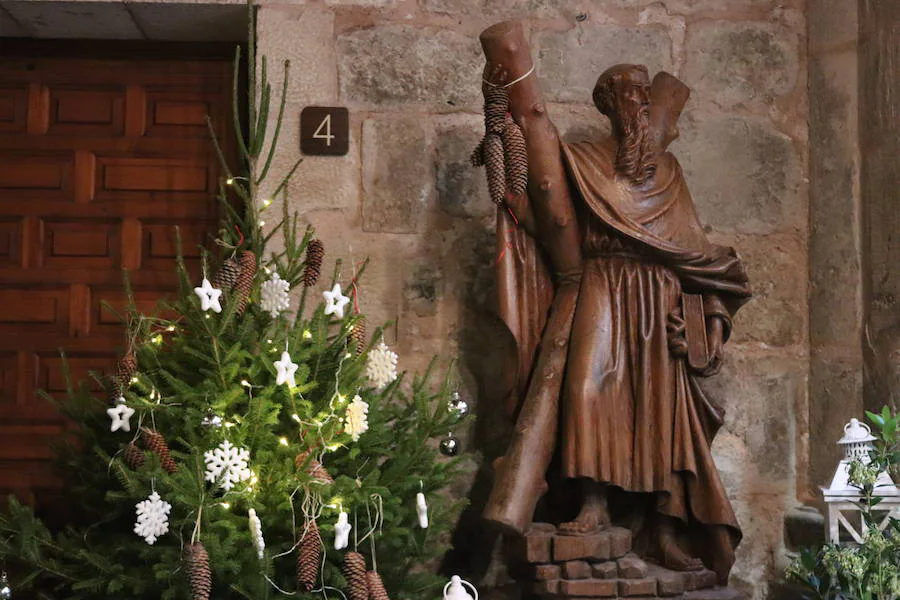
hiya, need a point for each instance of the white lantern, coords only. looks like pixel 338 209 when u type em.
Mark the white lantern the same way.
pixel 843 499
pixel 454 589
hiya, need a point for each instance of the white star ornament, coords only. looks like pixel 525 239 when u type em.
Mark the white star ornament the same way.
pixel 286 370
pixel 335 301
pixel 120 415
pixel 209 296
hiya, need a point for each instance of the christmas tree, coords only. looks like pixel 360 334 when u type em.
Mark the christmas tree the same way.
pixel 243 449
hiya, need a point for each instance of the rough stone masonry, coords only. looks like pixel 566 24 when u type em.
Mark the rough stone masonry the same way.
pixel 405 196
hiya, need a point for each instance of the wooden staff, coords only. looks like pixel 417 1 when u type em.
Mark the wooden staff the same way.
pixel 548 213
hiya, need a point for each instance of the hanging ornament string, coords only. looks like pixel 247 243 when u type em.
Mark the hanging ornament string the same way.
pixel 354 287
pixel 511 83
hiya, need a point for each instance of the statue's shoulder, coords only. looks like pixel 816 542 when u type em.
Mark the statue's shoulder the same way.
pixel 593 154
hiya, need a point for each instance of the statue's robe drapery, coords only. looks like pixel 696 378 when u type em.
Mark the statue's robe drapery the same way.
pixel 631 413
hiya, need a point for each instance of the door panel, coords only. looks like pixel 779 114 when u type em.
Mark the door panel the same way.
pixel 99 161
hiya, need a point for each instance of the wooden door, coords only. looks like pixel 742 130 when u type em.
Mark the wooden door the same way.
pixel 99 160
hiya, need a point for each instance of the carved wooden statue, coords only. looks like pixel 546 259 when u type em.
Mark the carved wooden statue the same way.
pixel 618 302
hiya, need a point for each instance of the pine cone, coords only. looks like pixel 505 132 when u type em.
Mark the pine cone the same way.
pixel 494 162
pixel 244 283
pixel 227 275
pixel 377 590
pixel 196 562
pixel 354 570
pixel 496 105
pixel 313 468
pixel 156 443
pixel 309 558
pixel 315 254
pixel 477 156
pixel 357 335
pixel 125 370
pixel 133 456
pixel 516 158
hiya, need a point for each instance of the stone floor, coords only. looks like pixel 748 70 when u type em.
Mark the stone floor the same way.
pixel 602 565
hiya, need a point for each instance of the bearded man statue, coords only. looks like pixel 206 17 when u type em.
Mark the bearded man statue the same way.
pixel 618 303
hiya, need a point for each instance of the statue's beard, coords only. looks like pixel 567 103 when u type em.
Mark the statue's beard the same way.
pixel 635 156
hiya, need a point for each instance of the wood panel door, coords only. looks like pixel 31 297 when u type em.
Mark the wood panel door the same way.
pixel 99 160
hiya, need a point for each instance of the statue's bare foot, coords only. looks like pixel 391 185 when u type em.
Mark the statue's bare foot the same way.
pixel 674 558
pixel 594 514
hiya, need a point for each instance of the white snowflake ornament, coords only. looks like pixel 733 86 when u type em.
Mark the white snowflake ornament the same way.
pixel 286 370
pixel 227 464
pixel 120 414
pixel 209 296
pixel 274 296
pixel 356 420
pixel 381 365
pixel 256 533
pixel 335 301
pixel 152 518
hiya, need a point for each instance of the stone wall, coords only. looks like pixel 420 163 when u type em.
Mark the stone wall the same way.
pixel 406 197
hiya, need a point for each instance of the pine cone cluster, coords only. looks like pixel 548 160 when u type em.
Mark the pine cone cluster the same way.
pixel 133 456
pixel 502 151
pixel 227 275
pixel 357 335
pixel 377 591
pixel 156 443
pixel 313 468
pixel 309 558
pixel 315 255
pixel 125 370
pixel 244 283
pixel 354 570
pixel 196 562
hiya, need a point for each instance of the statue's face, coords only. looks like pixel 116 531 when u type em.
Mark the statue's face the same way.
pixel 633 94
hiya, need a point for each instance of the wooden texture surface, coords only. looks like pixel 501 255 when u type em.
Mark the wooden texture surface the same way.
pixel 99 160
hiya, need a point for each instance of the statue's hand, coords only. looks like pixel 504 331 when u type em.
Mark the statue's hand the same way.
pixel 715 336
pixel 675 330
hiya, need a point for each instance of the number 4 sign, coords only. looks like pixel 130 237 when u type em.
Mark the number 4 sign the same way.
pixel 324 130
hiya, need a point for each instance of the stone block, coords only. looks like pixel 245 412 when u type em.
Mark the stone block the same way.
pixel 576 569
pixel 735 64
pixel 619 541
pixel 547 572
pixel 537 545
pixel 605 570
pixel 744 175
pixel 569 62
pixel 637 587
pixel 715 594
pixel 549 587
pixel 398 178
pixel 699 580
pixel 496 9
pixel 631 567
pixel 574 547
pixel 597 588
pixel 461 188
pixel 668 583
pixel 391 65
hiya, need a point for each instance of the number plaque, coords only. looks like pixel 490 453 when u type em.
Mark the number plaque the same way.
pixel 325 130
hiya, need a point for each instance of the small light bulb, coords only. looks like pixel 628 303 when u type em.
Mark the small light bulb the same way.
pixel 269 341
pixel 245 383
pixel 229 181
pixel 225 505
pixel 134 380
pixel 348 355
pixel 283 441
pixel 207 316
pixel 254 478
pixel 267 270
pixel 295 417
pixel 229 424
pixel 267 202
pixel 158 340
pixel 332 447
pixel 262 223
pixel 307 335
pixel 170 328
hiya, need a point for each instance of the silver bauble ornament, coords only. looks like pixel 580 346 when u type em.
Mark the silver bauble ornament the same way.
pixel 5 590
pixel 210 419
pixel 450 446
pixel 458 406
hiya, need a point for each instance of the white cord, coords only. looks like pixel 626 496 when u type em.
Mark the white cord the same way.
pixel 511 83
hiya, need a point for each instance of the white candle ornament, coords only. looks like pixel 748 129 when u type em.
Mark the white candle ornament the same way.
pixel 256 533
pixel 286 370
pixel 209 296
pixel 342 532
pixel 335 301
pixel 422 510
